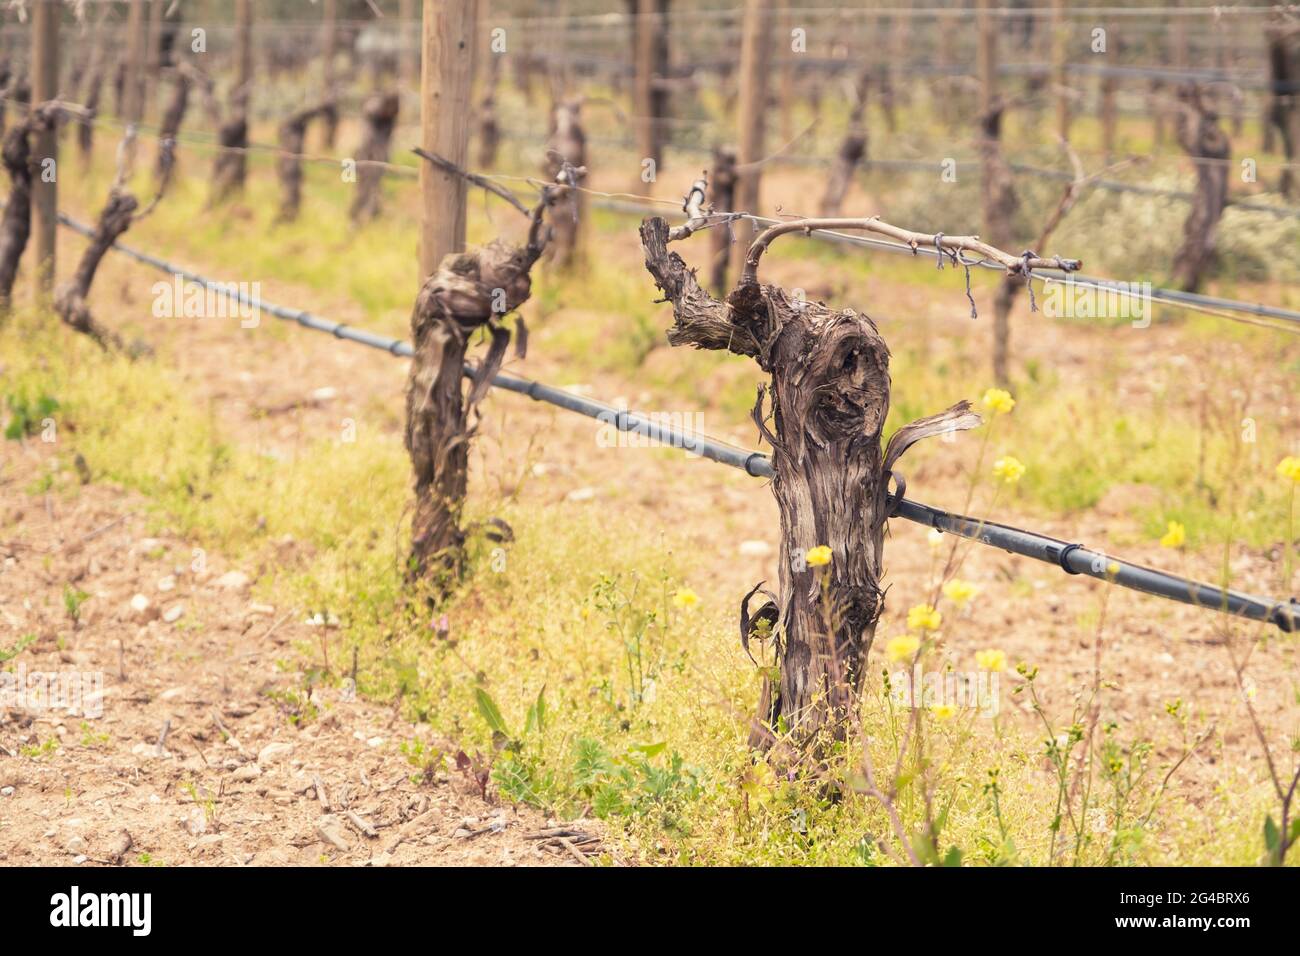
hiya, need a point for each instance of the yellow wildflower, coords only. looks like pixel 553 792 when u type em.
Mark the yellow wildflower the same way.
pixel 959 592
pixel 1008 469
pixel 1289 467
pixel 1175 537
pixel 924 617
pixel 991 660
pixel 685 597
pixel 998 401
pixel 943 712
pixel 901 648
pixel 818 556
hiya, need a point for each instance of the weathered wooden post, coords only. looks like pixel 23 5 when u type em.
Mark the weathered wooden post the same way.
pixel 1109 117
pixel 1060 78
pixel 45 153
pixel 722 195
pixel 329 53
pixel 645 25
pixel 131 69
pixel 753 105
pixel 447 64
pixel 153 52
pixel 998 193
pixel 409 46
pixel 829 391
pixel 94 86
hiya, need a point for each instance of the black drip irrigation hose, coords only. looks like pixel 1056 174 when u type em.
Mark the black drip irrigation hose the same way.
pixel 1071 558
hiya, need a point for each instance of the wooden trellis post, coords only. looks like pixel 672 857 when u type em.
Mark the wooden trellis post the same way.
pixel 753 104
pixel 409 52
pixel 448 43
pixel 45 153
pixel 153 52
pixel 998 195
pixel 329 53
pixel 132 97
pixel 1060 80
pixel 646 139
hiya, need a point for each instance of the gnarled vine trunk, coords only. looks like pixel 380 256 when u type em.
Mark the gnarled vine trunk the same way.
pixel 829 397
pixel 380 115
pixel 16 226
pixel 469 291
pixel 853 148
pixel 172 118
pixel 566 150
pixel 70 298
pixel 293 134
pixel 1283 115
pixel 1201 138
pixel 230 166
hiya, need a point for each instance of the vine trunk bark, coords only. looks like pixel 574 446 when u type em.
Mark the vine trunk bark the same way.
pixel 828 390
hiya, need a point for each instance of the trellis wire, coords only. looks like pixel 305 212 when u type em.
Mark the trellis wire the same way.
pixel 1071 558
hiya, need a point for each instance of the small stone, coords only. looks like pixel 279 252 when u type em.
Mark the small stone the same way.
pixel 580 494
pixel 233 581
pixel 324 394
pixel 6 791
pixel 167 584
pixel 755 549
pixel 142 609
pixel 75 844
pixel 174 613
pixel 375 742
pixel 273 753
pixel 118 846
pixel 261 610
pixel 249 771
pixel 329 829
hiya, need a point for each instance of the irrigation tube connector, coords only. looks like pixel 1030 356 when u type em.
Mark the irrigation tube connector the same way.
pixel 1071 558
